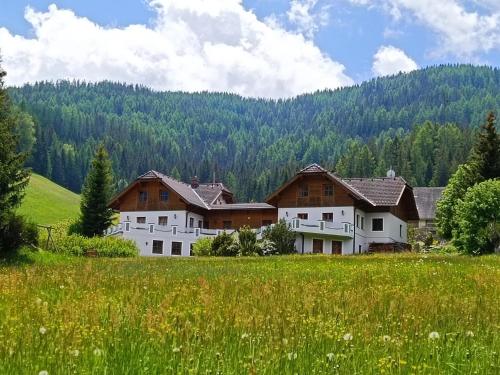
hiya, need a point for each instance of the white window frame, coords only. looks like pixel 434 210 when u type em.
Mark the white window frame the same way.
pixel 383 224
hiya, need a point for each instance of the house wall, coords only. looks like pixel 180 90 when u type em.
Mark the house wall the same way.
pixel 240 218
pixel 130 200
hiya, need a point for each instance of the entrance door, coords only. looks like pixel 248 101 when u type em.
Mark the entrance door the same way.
pixel 337 247
pixel 317 246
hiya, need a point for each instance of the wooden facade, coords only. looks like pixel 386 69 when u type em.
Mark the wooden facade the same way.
pixel 312 190
pixel 219 219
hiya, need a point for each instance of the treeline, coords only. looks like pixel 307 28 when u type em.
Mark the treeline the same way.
pixel 253 144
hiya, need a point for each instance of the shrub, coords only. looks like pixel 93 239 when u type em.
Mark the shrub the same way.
pixel 282 236
pixel 247 242
pixel 111 247
pixel 203 247
pixel 15 232
pixel 224 246
pixel 478 218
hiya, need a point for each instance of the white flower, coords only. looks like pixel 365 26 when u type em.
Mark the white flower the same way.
pixel 469 334
pixel 176 350
pixel 292 356
pixel 61 286
pixel 75 353
pixel 39 301
pixel 330 356
pixel 244 336
pixel 97 351
pixel 386 338
pixel 347 337
pixel 284 341
pixel 42 330
pixel 433 335
pixel 43 372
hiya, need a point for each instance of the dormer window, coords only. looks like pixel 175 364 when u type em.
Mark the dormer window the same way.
pixel 328 190
pixel 143 196
pixel 303 190
pixel 163 195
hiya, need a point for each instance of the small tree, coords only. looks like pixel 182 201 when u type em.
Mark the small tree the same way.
pixel 486 153
pixel 466 176
pixel 478 217
pixel 281 236
pixel 247 242
pixel 203 247
pixel 96 217
pixel 224 246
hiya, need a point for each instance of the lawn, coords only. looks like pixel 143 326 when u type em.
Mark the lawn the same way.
pixel 396 314
pixel 48 203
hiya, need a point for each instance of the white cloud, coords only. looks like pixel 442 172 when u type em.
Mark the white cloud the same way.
pixel 391 60
pixel 194 45
pixel 461 32
pixel 307 19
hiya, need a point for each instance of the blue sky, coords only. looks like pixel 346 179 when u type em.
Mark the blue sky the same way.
pixel 269 48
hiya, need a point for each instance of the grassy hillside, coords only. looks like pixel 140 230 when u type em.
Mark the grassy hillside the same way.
pixel 48 203
pixel 392 314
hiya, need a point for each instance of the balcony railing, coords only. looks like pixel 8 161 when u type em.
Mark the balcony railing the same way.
pixel 333 228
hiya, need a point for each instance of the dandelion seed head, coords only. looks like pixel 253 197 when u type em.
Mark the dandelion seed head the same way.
pixel 434 335
pixel 43 372
pixel 292 356
pixel 75 353
pixel 347 337
pixel 42 330
pixel 386 338
pixel 97 352
pixel 244 336
pixel 330 356
pixel 469 334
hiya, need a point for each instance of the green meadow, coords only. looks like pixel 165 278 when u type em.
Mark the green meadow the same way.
pixel 391 314
pixel 48 203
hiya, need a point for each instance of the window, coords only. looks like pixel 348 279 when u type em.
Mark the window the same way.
pixel 400 230
pixel 143 196
pixel 163 220
pixel 317 246
pixel 327 216
pixel 362 222
pixel 303 190
pixel 174 231
pixel 127 227
pixel 163 195
pixel 377 224
pixel 357 221
pixel 266 223
pixel 176 248
pixel 191 222
pixel 328 190
pixel 360 249
pixel 200 223
pixel 151 228
pixel 141 220
pixel 303 216
pixel 157 247
pixel 227 224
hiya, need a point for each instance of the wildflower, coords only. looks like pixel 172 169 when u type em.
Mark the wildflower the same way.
pixel 61 286
pixel 176 350
pixel 292 356
pixel 386 338
pixel 434 335
pixel 284 341
pixel 43 372
pixel 469 334
pixel 75 353
pixel 244 336
pixel 348 337
pixel 330 356
pixel 42 330
pixel 39 301
pixel 97 352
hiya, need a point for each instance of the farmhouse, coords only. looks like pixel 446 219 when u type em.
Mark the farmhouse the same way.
pixel 330 214
pixel 426 199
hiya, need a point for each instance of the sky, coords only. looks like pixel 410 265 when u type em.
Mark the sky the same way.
pixel 255 48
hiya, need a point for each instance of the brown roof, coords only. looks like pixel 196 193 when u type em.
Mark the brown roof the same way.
pixel 210 191
pixel 383 191
pixel 426 199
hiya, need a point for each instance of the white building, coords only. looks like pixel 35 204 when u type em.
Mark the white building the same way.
pixel 329 214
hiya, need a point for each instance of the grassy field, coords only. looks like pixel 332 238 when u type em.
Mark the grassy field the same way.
pixel 395 314
pixel 49 203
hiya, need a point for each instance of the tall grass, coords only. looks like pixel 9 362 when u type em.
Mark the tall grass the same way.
pixel 396 314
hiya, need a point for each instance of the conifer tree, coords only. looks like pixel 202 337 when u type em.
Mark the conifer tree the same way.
pixel 486 152
pixel 96 217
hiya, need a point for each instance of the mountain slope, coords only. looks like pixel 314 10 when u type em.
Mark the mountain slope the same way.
pixel 48 203
pixel 252 144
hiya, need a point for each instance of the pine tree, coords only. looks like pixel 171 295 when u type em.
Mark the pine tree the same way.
pixel 13 176
pixel 97 190
pixel 487 150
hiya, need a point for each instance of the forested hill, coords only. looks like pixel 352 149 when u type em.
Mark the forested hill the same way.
pixel 253 144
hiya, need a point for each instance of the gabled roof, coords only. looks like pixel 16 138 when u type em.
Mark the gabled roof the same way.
pixel 242 206
pixel 209 192
pixel 181 188
pixel 383 191
pixel 426 199
pixel 313 168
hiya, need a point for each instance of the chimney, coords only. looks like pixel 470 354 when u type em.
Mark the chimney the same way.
pixel 391 173
pixel 195 182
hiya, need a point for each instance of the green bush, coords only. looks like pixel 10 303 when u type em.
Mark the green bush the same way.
pixel 281 237
pixel 478 218
pixel 15 232
pixel 247 242
pixel 203 247
pixel 111 247
pixel 224 246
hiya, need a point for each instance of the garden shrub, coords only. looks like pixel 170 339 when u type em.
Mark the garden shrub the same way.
pixel 15 231
pixel 203 247
pixel 247 242
pixel 111 247
pixel 282 237
pixel 224 246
